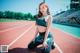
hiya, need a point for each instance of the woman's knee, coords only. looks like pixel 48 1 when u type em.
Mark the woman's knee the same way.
pixel 31 45
pixel 34 44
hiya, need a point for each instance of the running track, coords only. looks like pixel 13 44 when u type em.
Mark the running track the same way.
pixel 17 36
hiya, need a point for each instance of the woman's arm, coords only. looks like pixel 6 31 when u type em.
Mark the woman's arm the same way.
pixel 49 20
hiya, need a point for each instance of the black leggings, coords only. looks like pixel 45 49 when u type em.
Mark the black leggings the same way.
pixel 39 40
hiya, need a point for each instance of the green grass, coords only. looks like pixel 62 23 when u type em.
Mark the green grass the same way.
pixel 8 20
pixel 75 31
pixel 12 20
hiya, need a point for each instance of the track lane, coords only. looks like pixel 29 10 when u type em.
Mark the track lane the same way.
pixel 8 36
pixel 27 38
pixel 66 42
pixel 7 25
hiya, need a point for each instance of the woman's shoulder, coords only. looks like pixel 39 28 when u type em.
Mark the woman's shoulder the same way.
pixel 49 16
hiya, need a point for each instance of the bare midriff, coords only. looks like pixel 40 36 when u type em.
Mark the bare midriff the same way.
pixel 41 28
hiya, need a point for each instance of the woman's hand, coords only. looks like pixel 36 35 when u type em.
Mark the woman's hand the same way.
pixel 45 45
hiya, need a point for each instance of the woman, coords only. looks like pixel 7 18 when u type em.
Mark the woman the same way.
pixel 43 25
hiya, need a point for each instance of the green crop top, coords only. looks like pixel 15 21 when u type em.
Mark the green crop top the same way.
pixel 41 21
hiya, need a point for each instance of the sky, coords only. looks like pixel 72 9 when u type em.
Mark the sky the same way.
pixel 25 6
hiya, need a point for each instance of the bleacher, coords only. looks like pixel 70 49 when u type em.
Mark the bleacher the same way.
pixel 75 14
pixel 69 17
pixel 66 13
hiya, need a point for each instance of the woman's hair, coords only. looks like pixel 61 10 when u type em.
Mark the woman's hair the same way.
pixel 39 13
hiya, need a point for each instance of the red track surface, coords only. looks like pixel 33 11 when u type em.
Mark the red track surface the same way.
pixel 66 42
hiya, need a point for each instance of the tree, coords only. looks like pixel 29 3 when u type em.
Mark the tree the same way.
pixel 1 14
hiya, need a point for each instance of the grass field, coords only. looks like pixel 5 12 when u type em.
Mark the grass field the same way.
pixel 10 20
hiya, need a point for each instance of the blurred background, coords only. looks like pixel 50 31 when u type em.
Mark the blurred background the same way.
pixel 64 12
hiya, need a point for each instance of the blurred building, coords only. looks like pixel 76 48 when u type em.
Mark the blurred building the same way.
pixel 75 4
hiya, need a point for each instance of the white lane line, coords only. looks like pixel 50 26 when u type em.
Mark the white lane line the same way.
pixel 19 36
pixel 14 27
pixel 72 35
pixel 58 48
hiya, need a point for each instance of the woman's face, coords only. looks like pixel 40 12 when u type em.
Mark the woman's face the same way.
pixel 43 8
